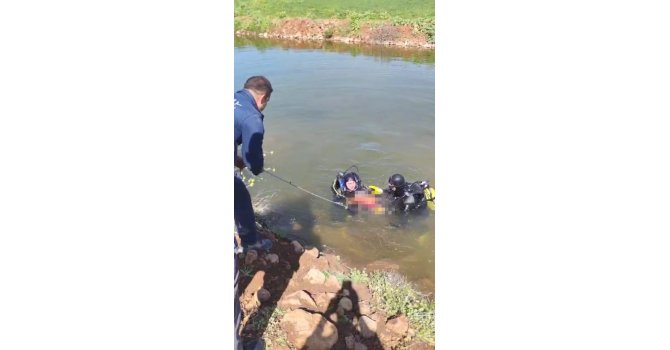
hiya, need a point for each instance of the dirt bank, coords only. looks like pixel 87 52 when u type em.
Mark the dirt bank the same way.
pixel 337 30
pixel 297 297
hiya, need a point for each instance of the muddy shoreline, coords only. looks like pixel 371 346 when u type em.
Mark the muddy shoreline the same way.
pixel 380 33
pixel 344 40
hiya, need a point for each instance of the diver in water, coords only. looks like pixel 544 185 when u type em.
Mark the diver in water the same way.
pixel 407 197
pixel 346 185
pixel 348 189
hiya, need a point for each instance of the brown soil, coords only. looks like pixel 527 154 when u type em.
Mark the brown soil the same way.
pixel 292 275
pixel 337 30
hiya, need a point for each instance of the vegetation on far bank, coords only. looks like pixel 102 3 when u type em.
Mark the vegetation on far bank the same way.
pixel 261 15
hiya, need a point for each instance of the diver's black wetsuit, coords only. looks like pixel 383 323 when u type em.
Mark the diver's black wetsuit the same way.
pixel 408 198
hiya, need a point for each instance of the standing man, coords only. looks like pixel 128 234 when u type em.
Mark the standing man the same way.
pixel 249 131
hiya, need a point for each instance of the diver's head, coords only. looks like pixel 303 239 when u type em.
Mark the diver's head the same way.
pixel 350 183
pixel 396 183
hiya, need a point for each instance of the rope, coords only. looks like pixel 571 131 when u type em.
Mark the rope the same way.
pixel 304 190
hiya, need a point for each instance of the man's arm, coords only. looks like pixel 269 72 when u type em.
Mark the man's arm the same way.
pixel 252 145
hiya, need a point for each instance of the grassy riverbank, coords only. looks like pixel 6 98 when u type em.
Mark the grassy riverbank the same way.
pixel 385 19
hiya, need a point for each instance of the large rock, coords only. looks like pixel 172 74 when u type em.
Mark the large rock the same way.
pixel 297 247
pixel 314 276
pixel 360 346
pixel 297 300
pixel 349 341
pixel 248 298
pixel 323 300
pixel 367 327
pixel 345 304
pixel 314 252
pixel 364 308
pixel 272 258
pixel 332 285
pixel 255 284
pixel 395 330
pixel 263 295
pixel 398 325
pixel 307 261
pixel 419 345
pixel 309 331
pixel 361 290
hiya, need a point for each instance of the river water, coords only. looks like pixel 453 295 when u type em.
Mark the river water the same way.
pixel 340 105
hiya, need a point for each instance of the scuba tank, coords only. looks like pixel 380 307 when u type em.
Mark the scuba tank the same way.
pixel 429 194
pixel 338 185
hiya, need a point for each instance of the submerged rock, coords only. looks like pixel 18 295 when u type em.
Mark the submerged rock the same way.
pixel 383 265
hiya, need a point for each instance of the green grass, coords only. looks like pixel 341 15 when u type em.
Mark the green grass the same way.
pixel 395 295
pixel 368 9
pixel 258 15
pixel 268 320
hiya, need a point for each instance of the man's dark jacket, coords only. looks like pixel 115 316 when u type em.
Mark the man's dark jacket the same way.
pixel 249 131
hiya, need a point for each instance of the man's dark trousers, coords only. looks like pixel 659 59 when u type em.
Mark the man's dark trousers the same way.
pixel 244 213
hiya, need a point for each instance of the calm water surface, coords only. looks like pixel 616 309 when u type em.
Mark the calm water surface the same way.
pixel 335 106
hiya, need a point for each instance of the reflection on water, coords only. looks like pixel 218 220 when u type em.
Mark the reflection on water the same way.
pixel 335 106
pixel 380 52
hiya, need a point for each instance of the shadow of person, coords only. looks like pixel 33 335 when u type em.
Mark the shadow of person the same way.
pixel 352 323
pixel 265 278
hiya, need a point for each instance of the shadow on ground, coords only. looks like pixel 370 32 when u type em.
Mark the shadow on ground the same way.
pixel 264 279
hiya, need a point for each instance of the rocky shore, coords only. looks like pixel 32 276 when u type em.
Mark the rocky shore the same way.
pixel 297 297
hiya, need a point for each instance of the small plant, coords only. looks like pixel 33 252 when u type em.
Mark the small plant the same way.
pixel 355 23
pixel 342 14
pixel 272 330
pixel 247 271
pixel 397 296
pixel 359 276
pixel 328 33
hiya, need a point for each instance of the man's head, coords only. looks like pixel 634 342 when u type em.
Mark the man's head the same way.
pixel 261 89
